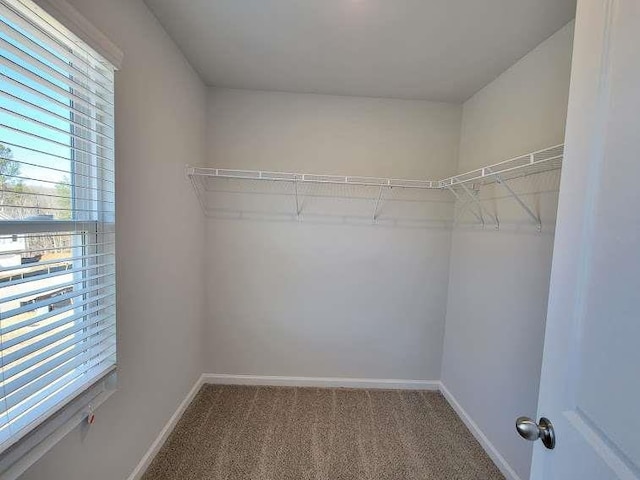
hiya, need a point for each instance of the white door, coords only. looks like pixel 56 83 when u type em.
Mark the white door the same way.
pixel 590 388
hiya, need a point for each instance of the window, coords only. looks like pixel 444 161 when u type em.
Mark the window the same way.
pixel 57 219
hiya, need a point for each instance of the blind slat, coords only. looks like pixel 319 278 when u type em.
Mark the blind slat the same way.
pixel 95 335
pixel 73 85
pixel 61 286
pixel 57 182
pixel 48 170
pixel 34 46
pixel 13 389
pixel 83 232
pixel 39 123
pixel 64 323
pixel 58 197
pixel 83 212
pixel 53 102
pixel 9 64
pixel 50 275
pixel 50 141
pixel 44 316
pixel 51 262
pixel 64 388
pixel 41 331
pixel 64 366
pixel 45 303
pixel 85 130
pixel 50 339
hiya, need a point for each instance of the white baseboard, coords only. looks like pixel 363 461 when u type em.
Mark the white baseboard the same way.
pixel 338 382
pixel 488 447
pixel 165 432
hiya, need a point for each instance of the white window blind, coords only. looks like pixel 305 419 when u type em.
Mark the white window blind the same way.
pixel 57 218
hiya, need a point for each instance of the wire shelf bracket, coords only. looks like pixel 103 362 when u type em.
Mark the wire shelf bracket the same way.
pixel 298 201
pixel 481 210
pixel 375 208
pixel 517 198
pixel 459 198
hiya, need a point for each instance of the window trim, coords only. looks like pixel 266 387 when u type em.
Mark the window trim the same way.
pixel 76 23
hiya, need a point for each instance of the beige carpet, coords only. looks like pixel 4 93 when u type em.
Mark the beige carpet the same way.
pixel 272 433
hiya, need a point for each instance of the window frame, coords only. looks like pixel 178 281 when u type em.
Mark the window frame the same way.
pixel 39 435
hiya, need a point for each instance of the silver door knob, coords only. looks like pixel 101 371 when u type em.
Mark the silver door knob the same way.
pixel 532 431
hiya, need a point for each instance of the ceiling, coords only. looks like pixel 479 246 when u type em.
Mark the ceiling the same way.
pixel 441 50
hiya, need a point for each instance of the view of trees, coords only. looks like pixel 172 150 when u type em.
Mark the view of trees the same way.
pixel 19 201
pixel 9 169
pixel 7 165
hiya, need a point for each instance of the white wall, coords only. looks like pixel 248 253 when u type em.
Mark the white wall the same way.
pixel 327 299
pixel 499 281
pixel 332 134
pixel 160 119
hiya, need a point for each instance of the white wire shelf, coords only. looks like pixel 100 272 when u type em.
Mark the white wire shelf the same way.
pixel 468 184
pixel 540 161
pixel 311 178
pixel 229 193
pixel 305 187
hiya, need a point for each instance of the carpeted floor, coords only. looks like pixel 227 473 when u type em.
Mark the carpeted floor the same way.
pixel 273 433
